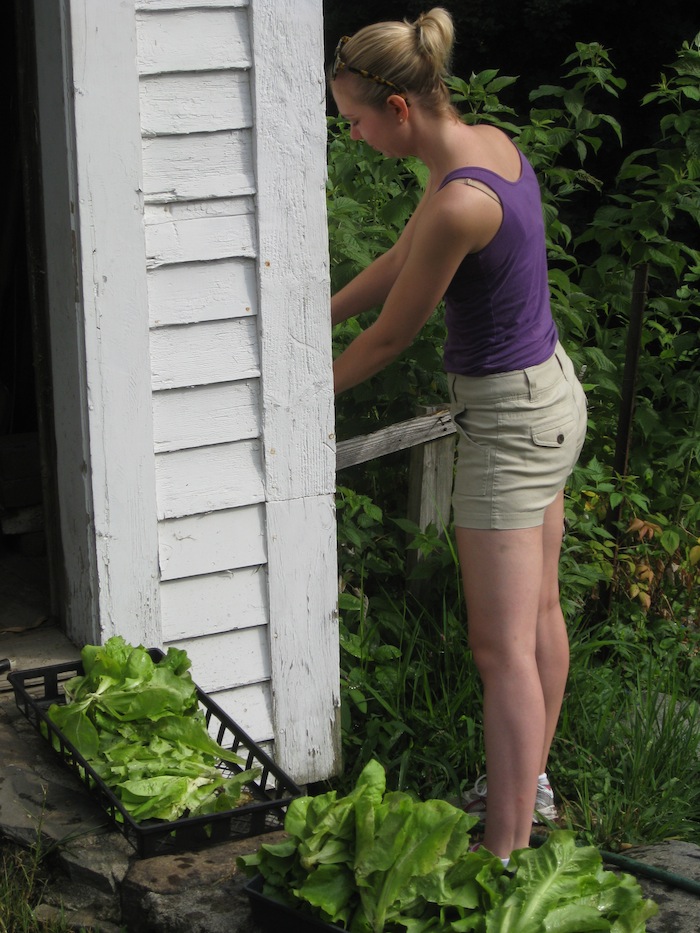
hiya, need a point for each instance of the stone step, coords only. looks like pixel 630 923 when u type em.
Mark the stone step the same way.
pixel 96 881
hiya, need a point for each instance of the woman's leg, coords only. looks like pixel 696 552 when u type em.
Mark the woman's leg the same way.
pixel 508 587
pixel 552 636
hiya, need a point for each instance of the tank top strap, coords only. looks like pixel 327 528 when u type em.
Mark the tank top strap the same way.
pixel 484 175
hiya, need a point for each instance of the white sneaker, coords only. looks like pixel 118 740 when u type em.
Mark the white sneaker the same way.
pixel 545 808
pixel 474 801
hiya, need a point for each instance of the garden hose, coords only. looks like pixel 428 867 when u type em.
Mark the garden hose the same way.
pixel 658 874
pixel 635 867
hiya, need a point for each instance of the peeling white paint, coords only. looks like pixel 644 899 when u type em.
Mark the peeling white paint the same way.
pixel 197 355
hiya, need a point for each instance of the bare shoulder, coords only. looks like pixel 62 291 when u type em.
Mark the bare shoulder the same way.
pixel 492 135
pixel 460 216
pixel 495 150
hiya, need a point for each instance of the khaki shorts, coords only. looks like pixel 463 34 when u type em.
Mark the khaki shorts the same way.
pixel 519 436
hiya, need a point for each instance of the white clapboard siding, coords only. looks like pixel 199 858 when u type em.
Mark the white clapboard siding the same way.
pixel 204 415
pixel 179 212
pixel 217 602
pixel 231 659
pixel 186 4
pixel 198 102
pixel 250 707
pixel 212 542
pixel 207 478
pixel 241 361
pixel 201 165
pixel 216 229
pixel 202 291
pixel 192 40
pixel 198 354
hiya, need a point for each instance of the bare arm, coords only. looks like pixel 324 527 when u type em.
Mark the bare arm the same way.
pixel 454 224
pixel 370 288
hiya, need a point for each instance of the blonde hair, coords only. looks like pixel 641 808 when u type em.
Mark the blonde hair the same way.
pixel 413 56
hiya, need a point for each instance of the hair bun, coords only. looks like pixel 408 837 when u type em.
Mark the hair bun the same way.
pixel 434 30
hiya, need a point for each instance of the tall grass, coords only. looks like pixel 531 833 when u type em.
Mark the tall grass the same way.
pixel 22 879
pixel 411 694
pixel 626 758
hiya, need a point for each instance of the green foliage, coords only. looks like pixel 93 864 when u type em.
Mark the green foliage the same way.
pixel 408 688
pixel 630 569
pixel 410 695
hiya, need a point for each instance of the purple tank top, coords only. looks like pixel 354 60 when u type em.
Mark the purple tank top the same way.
pixel 498 314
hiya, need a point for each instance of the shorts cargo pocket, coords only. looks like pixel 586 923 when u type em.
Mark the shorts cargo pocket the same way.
pixel 554 435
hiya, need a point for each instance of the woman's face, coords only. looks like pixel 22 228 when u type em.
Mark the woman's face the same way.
pixel 379 127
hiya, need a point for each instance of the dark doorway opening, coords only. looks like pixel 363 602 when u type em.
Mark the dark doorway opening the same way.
pixel 26 473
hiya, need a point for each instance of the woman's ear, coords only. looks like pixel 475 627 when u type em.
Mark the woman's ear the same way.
pixel 399 107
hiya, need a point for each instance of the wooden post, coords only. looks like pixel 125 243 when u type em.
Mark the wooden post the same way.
pixel 288 87
pixel 431 438
pixel 431 473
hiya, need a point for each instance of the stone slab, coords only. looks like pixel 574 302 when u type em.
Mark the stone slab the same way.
pixel 38 794
pixel 679 910
pixel 39 646
pixel 192 892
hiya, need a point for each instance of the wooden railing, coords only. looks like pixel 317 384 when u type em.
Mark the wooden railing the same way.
pixel 431 437
pixel 433 424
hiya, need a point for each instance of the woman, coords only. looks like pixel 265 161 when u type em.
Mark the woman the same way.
pixel 477 238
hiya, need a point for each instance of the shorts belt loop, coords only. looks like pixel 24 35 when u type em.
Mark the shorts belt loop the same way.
pixel 531 381
pixel 561 357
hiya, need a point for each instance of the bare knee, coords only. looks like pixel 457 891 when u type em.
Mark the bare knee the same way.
pixel 494 660
pixel 486 660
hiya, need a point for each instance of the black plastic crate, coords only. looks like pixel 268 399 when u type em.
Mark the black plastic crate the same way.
pixel 272 791
pixel 274 916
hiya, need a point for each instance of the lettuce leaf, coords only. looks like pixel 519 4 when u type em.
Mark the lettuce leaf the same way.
pixel 374 862
pixel 563 888
pixel 139 724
